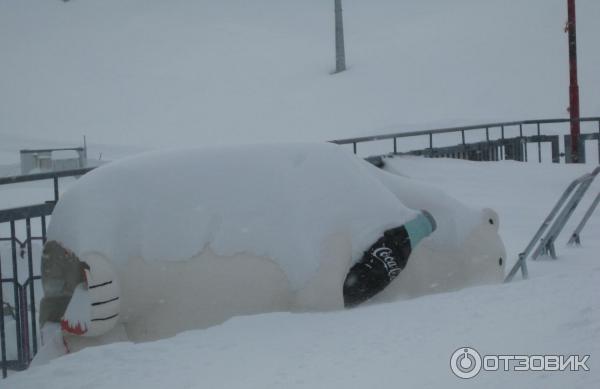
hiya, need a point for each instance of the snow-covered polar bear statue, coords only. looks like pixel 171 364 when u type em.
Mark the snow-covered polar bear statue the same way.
pixel 149 246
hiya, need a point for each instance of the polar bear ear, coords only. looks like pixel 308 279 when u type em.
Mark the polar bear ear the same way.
pixel 490 217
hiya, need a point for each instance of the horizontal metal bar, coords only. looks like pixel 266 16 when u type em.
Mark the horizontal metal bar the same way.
pixel 31 211
pixel 17 239
pixel 30 280
pixel 44 176
pixel 29 151
pixel 457 129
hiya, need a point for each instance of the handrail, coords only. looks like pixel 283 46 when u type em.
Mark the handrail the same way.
pixel 547 244
pixel 53 175
pixel 575 239
pixel 459 129
pixel 44 176
pixel 27 212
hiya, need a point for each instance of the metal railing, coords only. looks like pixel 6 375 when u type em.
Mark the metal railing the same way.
pixel 566 205
pixel 575 238
pixel 54 176
pixel 24 313
pixel 502 143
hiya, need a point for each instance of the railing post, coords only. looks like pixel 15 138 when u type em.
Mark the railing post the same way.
pixel 521 130
pixel 431 142
pixel 16 291
pixel 2 328
pixel 555 149
pixel 55 181
pixel 539 143
pixel 31 286
pixel 43 222
pixel 599 142
pixel 24 327
pixel 395 145
pixel 567 144
pixel 354 147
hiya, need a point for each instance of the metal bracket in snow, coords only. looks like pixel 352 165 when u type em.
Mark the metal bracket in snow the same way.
pixel 555 223
pixel 575 238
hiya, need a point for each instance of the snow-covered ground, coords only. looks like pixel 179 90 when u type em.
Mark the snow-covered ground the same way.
pixel 398 343
pixel 155 73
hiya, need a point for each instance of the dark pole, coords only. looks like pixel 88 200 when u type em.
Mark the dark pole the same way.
pixel 340 53
pixel 573 87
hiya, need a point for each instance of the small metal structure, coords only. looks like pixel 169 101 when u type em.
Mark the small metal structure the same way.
pixel 46 160
pixel 575 238
pixel 23 307
pixel 566 204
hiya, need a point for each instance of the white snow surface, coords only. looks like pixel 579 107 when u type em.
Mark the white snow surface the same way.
pixel 275 201
pixel 400 343
pixel 182 73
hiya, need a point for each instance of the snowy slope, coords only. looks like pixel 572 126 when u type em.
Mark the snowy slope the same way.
pixel 157 73
pixel 402 343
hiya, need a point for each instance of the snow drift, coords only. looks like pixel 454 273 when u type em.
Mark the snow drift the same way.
pixel 198 236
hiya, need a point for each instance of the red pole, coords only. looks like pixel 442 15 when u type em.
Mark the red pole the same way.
pixel 573 87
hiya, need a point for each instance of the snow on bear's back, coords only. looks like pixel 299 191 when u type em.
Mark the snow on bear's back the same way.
pixel 275 201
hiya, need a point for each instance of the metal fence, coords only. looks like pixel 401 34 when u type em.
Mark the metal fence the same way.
pixel 495 144
pixel 18 321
